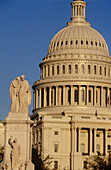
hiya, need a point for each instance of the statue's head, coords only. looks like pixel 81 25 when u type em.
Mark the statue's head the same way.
pixel 22 77
pixel 18 79
pixel 15 140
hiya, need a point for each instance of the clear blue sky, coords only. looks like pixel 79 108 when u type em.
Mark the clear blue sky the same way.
pixel 26 29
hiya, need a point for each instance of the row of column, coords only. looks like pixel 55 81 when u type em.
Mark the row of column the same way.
pixel 78 10
pixel 76 140
pixel 72 95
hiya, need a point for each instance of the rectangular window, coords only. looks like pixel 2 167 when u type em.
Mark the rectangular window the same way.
pixel 52 70
pixel 55 147
pixel 97 134
pixel 76 96
pixel 109 135
pixel 82 134
pixel 56 133
pixel 48 70
pixel 89 96
pixel 55 164
pixel 57 69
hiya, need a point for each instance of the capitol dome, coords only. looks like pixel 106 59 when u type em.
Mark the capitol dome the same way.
pixel 78 35
pixel 72 99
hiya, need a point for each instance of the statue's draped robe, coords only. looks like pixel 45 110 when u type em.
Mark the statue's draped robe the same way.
pixel 24 96
pixel 14 90
pixel 15 155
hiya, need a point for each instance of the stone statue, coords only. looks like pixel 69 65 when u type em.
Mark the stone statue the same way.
pixel 14 91
pixel 25 96
pixel 15 153
pixel 20 94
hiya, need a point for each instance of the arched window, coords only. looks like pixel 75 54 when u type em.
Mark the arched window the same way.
pixel 82 148
pixel 76 95
pixel 89 96
pixel 100 70
pixel 95 70
pixel 69 69
pixel 89 69
pixel 82 95
pixel 104 71
pixel 63 69
pixel 48 70
pixel 76 68
pixel 57 69
pixel 82 68
pixel 98 148
pixel 52 70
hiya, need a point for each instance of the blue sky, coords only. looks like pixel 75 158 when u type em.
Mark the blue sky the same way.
pixel 26 29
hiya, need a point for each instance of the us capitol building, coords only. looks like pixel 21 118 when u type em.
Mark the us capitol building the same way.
pixel 72 100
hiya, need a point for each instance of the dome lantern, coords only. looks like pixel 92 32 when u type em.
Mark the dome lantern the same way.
pixel 78 11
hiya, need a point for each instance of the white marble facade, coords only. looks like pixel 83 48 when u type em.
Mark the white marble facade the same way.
pixel 72 100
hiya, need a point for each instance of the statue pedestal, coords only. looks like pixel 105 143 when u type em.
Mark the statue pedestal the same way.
pixel 17 125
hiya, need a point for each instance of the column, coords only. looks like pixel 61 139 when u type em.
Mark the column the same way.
pixel 72 94
pixel 60 95
pixel 105 130
pixel 75 139
pixel 34 93
pixel 40 97
pixel 81 10
pixel 87 95
pixel 36 98
pixel 94 95
pixel 45 97
pixel 49 96
pixel 35 136
pixel 102 96
pixel 90 140
pixel 56 95
pixel 75 10
pixel 95 140
pixel 84 11
pixel 79 143
pixel 64 95
pixel 108 97
pixel 72 10
pixel 79 95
